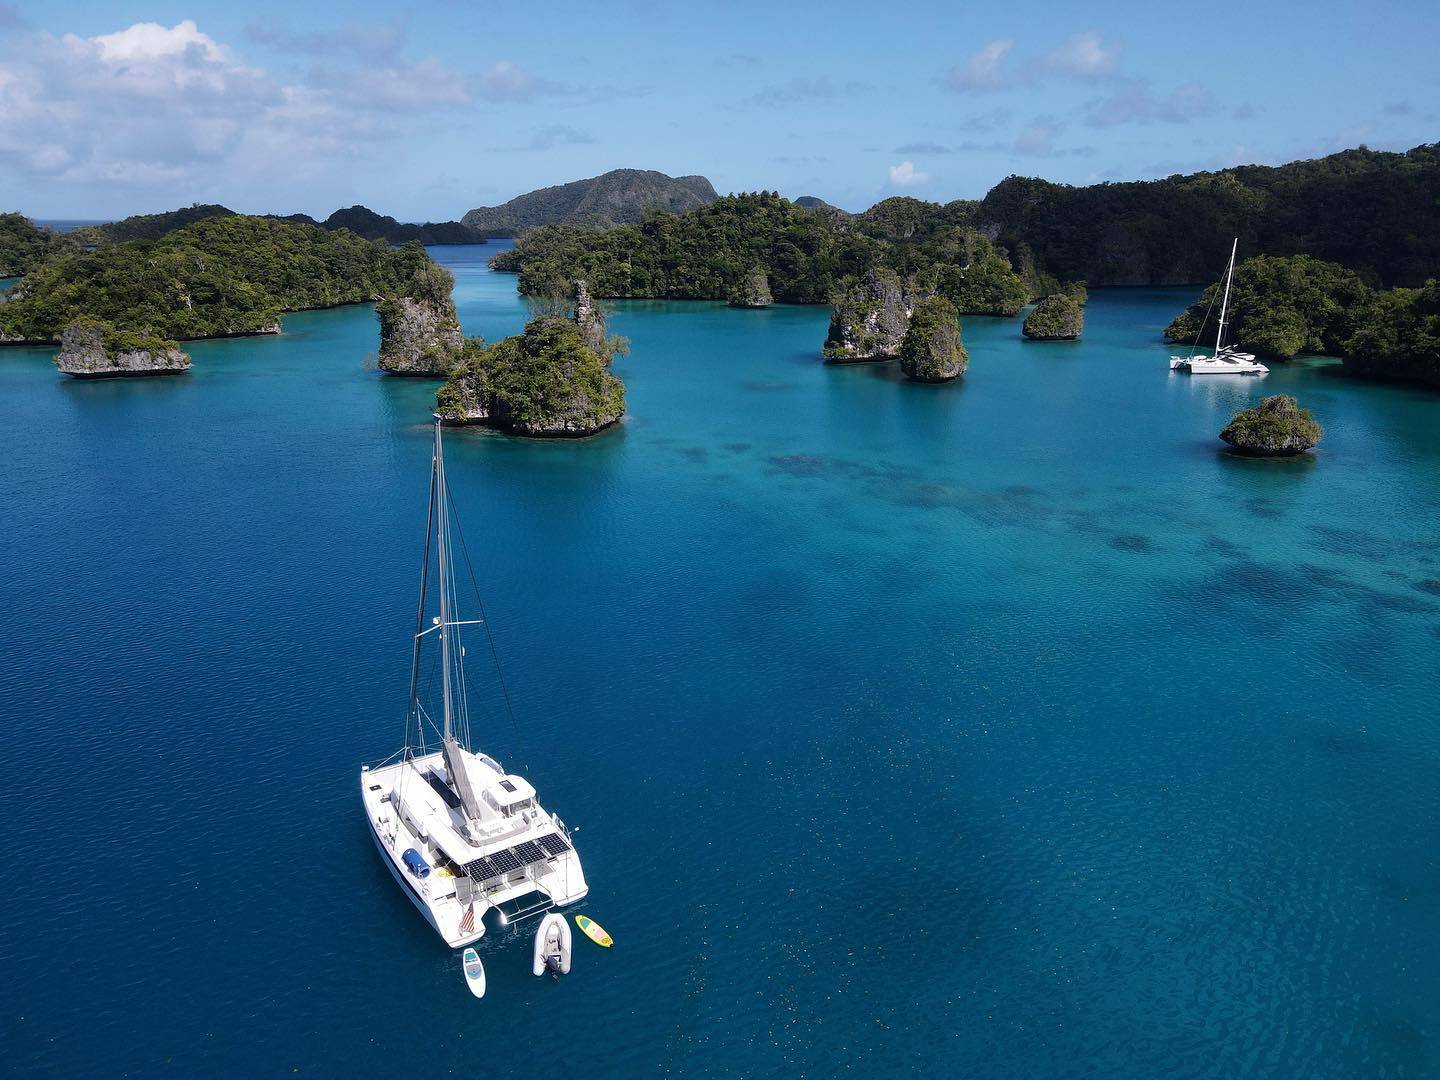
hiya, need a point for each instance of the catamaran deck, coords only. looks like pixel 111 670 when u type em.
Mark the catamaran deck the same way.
pixel 515 852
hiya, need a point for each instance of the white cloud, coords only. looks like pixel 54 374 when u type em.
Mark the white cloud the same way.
pixel 905 174
pixel 156 105
pixel 982 71
pixel 151 41
pixel 1084 56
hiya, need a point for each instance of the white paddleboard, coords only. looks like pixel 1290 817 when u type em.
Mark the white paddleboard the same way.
pixel 552 939
pixel 474 972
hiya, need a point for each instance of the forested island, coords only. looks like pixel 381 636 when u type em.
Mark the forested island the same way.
pixel 218 277
pixel 554 379
pixel 1281 307
pixel 716 252
pixel 1329 235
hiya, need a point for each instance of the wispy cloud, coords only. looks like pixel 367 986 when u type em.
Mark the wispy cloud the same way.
pixel 983 71
pixel 1083 56
pixel 801 89
pixel 1134 101
pixel 1398 108
pixel 370 41
pixel 547 138
pixel 905 174
pixel 507 81
pixel 986 122
pixel 1037 139
pixel 924 148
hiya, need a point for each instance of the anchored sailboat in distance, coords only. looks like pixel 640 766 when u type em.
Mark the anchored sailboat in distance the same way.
pixel 459 833
pixel 1226 360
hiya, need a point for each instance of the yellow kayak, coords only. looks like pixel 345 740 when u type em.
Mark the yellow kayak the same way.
pixel 594 931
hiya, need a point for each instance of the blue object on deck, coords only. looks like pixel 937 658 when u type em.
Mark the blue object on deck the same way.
pixel 418 866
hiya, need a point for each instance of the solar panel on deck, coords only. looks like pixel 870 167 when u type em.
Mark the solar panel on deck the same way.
pixel 554 844
pixel 528 852
pixel 505 861
pixel 507 785
pixel 443 790
pixel 481 870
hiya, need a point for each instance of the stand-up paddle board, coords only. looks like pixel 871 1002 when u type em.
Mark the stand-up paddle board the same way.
pixel 594 931
pixel 474 972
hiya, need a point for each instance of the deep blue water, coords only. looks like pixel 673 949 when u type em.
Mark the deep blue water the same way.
pixel 1000 728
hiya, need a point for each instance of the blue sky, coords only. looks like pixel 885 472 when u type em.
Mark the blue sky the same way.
pixel 426 110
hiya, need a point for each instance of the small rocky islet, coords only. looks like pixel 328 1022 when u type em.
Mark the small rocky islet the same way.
pixel 932 350
pixel 1057 317
pixel 868 320
pixel 553 380
pixel 91 349
pixel 419 328
pixel 1277 427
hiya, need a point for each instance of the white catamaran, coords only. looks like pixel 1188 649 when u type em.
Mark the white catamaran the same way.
pixel 459 833
pixel 1226 359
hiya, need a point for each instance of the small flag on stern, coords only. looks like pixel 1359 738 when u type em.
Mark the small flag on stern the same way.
pixel 467 921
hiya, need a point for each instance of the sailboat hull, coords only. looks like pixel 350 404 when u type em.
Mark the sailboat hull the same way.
pixel 524 855
pixel 401 877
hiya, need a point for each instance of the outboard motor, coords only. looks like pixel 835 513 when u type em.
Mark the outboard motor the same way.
pixel 417 865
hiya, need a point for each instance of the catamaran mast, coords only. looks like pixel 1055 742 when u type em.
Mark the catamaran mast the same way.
pixel 449 646
pixel 1224 304
pixel 414 714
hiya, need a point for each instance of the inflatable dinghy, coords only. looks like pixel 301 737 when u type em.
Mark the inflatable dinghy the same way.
pixel 474 972
pixel 552 945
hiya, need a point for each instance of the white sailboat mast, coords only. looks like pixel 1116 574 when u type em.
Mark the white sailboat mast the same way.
pixel 442 542
pixel 1225 304
pixel 449 657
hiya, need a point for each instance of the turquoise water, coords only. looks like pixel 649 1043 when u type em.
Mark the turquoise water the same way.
pixel 1002 728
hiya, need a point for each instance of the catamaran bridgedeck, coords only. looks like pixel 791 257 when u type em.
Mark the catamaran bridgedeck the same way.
pixel 459 834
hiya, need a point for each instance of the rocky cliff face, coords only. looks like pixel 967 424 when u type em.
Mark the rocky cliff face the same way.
pixel 869 320
pixel 1056 318
pixel 754 291
pixel 931 350
pixel 91 350
pixel 589 318
pixel 418 336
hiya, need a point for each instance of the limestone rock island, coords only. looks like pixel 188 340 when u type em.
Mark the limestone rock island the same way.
pixel 869 319
pixel 931 350
pixel 1277 427
pixel 91 349
pixel 419 330
pixel 1058 317
pixel 754 291
pixel 552 380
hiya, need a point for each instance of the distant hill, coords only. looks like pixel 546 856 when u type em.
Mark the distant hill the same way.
pixel 814 202
pixel 149 226
pixel 365 222
pixel 618 197
pixel 360 220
